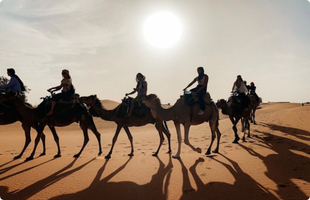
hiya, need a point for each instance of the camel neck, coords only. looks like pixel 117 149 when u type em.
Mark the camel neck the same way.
pixel 105 114
pixel 23 110
pixel 165 114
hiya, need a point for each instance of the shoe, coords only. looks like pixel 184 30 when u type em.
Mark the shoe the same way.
pixel 200 112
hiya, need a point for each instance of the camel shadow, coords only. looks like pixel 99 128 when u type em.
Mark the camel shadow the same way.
pixel 157 189
pixel 245 187
pixel 299 133
pixel 4 170
pixel 33 189
pixel 288 163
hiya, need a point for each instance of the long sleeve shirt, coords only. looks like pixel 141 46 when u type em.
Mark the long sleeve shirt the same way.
pixel 13 85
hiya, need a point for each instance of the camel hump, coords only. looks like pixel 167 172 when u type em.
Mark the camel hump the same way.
pixel 74 99
pixel 207 98
pixel 192 98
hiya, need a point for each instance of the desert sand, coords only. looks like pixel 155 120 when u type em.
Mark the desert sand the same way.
pixel 273 164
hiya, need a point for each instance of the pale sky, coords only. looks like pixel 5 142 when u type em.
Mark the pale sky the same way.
pixel 102 44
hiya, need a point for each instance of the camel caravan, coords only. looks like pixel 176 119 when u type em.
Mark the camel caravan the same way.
pixel 194 107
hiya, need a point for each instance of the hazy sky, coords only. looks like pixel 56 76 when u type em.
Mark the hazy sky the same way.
pixel 102 44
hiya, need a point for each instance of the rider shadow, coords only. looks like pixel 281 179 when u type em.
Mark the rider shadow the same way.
pixel 245 187
pixel 157 189
pixel 33 189
pixel 285 164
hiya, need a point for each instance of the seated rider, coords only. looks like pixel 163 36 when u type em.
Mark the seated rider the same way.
pixel 14 85
pixel 141 89
pixel 240 88
pixel 200 89
pixel 67 93
pixel 252 91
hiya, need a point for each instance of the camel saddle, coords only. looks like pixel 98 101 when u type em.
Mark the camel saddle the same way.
pixel 237 102
pixel 140 109
pixel 191 98
pixel 70 107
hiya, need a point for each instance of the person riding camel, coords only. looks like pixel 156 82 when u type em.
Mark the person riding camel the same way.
pixel 141 89
pixel 201 88
pixel 67 92
pixel 252 91
pixel 240 88
pixel 14 85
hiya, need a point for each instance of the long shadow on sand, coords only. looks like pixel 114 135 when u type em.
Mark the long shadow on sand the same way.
pixel 244 184
pixel 103 189
pixel 4 170
pixel 299 133
pixel 40 185
pixel 289 163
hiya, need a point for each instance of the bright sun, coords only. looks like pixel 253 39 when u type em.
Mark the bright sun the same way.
pixel 162 30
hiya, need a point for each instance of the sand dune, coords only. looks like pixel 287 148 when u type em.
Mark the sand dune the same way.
pixel 273 164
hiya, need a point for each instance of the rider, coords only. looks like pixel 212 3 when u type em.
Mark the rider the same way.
pixel 141 89
pixel 201 88
pixel 15 84
pixel 240 88
pixel 68 90
pixel 252 91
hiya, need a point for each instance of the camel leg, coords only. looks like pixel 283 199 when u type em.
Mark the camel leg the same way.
pixel 235 122
pixel 168 135
pixel 43 142
pixel 248 125
pixel 212 140
pixel 130 139
pixel 27 140
pixel 218 133
pixel 159 127
pixel 35 126
pixel 178 129
pixel 253 116
pixel 186 140
pixel 118 129
pixel 244 126
pixel 214 129
pixel 39 135
pixel 93 128
pixel 56 139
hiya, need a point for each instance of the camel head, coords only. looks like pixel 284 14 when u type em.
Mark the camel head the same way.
pixel 90 100
pixel 221 103
pixel 151 100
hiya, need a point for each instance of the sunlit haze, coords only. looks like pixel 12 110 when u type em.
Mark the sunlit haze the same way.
pixel 162 29
pixel 104 44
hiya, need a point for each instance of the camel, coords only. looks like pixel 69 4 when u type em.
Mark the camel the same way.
pixel 235 115
pixel 181 113
pixel 118 115
pixel 64 115
pixel 10 115
pixel 254 105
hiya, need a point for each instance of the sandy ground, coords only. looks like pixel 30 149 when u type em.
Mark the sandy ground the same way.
pixel 273 164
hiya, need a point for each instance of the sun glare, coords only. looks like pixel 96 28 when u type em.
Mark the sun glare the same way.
pixel 162 30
